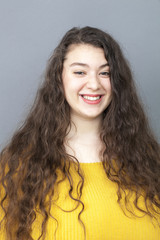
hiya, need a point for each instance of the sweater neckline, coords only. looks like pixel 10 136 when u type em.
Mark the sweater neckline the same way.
pixel 90 163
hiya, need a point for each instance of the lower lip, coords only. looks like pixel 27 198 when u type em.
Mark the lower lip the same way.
pixel 92 101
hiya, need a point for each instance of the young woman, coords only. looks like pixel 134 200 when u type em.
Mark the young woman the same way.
pixel 85 164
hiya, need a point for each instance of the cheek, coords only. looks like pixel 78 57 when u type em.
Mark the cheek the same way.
pixel 106 83
pixel 72 85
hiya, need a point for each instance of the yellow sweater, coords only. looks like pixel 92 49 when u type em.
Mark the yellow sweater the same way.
pixel 102 215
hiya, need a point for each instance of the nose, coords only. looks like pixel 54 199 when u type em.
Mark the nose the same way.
pixel 93 82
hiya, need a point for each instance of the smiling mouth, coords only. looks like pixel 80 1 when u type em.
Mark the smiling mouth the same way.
pixel 91 98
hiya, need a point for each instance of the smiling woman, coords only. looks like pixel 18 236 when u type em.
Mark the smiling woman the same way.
pixel 84 165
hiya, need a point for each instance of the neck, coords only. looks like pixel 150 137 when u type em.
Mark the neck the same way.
pixel 84 130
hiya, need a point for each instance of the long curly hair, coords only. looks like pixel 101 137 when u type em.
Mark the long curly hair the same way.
pixel 28 164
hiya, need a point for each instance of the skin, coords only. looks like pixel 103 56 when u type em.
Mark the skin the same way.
pixel 86 74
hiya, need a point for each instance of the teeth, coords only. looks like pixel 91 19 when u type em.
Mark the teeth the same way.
pixel 91 98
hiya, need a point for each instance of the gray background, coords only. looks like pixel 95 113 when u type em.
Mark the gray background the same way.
pixel 30 30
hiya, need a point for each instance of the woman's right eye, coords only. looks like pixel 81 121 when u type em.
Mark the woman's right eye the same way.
pixel 79 73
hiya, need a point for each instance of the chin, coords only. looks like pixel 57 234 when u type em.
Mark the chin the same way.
pixel 92 116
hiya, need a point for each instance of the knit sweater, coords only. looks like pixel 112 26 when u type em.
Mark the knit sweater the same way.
pixel 102 216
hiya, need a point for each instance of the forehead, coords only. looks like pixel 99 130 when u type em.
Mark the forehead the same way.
pixel 84 52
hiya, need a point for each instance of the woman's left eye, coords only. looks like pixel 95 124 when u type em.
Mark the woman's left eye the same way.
pixel 105 74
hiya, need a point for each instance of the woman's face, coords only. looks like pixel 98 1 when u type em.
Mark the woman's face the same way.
pixel 86 81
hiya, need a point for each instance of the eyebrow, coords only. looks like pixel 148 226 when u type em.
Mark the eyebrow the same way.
pixel 86 65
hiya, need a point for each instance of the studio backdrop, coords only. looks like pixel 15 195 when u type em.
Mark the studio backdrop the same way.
pixel 30 30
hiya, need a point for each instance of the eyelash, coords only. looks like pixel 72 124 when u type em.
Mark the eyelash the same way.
pixel 82 73
pixel 105 73
pixel 79 73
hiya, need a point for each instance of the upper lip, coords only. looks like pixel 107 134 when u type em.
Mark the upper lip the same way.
pixel 91 95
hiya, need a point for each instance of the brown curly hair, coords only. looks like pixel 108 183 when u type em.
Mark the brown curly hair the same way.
pixel 28 164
